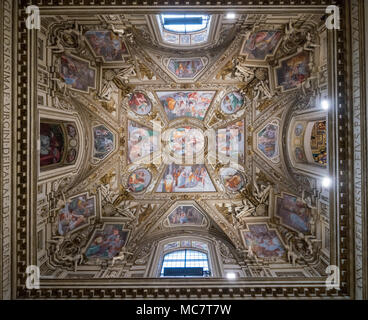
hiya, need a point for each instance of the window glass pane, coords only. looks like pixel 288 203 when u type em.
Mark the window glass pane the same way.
pixel 184 23
pixel 185 259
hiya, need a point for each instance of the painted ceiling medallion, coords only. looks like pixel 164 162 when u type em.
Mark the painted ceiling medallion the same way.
pixel 186 68
pixel 139 103
pixel 139 180
pixel 232 179
pixel 232 102
pixel 180 104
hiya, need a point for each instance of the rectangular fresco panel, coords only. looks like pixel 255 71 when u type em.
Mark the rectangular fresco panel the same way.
pixel 77 73
pixel 264 242
pixel 51 144
pixel 178 178
pixel 142 141
pixel 103 142
pixel 75 213
pixel 106 44
pixel 294 213
pixel 185 68
pixel 185 215
pixel 107 243
pixel 230 141
pixel 268 141
pixel 192 104
pixel 293 71
pixel 261 44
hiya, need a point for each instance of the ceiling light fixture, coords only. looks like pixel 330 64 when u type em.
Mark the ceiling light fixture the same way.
pixel 231 275
pixel 326 182
pixel 230 16
pixel 325 104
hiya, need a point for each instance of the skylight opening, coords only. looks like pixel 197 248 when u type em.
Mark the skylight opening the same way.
pixel 184 23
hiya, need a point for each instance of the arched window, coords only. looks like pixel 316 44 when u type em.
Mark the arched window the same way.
pixel 185 263
pixel 184 23
pixel 184 30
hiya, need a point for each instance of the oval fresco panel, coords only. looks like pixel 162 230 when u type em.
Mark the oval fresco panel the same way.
pixel 232 179
pixel 139 103
pixel 232 102
pixel 186 141
pixel 139 180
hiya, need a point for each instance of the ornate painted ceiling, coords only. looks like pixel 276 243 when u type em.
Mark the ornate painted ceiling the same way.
pixel 145 141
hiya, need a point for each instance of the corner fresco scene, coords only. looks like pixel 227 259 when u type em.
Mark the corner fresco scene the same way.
pixel 77 73
pixel 293 71
pixel 261 44
pixel 108 45
pixel 107 243
pixel 263 242
pixel 294 213
pixel 75 213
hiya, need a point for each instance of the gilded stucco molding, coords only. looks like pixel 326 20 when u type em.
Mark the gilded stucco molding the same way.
pixel 7 68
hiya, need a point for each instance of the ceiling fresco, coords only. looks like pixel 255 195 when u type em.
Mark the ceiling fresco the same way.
pixel 194 141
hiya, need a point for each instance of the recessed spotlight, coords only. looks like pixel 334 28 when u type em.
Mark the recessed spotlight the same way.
pixel 230 16
pixel 326 182
pixel 231 275
pixel 325 104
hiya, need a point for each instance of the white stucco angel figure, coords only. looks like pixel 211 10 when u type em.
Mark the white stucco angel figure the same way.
pixel 242 72
pixel 121 256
